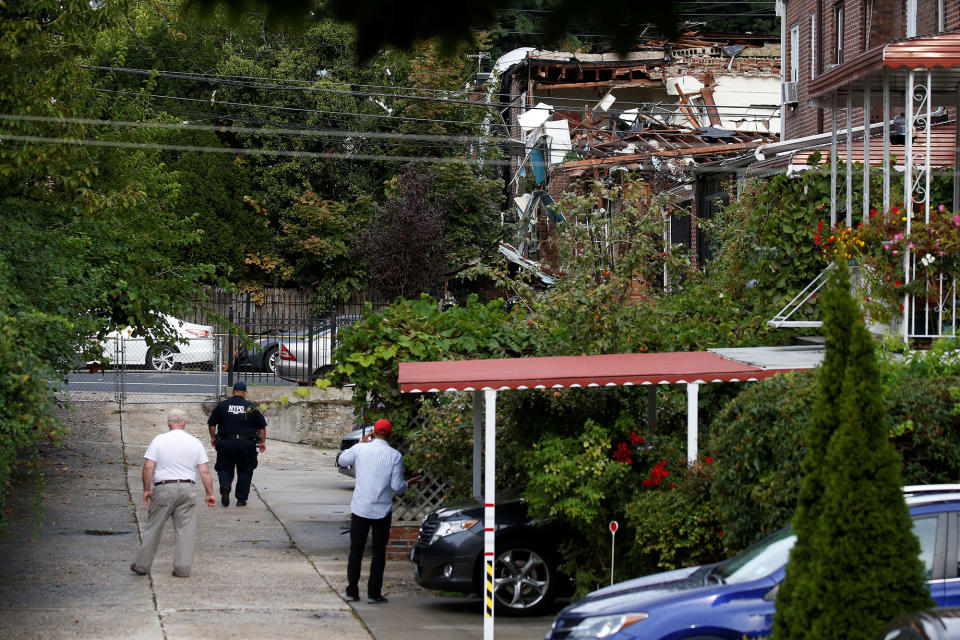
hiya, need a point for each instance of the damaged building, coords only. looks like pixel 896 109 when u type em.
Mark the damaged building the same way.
pixel 656 113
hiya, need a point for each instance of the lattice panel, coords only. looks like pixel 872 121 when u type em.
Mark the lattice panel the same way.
pixel 429 495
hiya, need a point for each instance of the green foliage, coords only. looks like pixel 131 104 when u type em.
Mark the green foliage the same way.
pixel 416 330
pixel 26 413
pixel 676 524
pixel 766 243
pixel 852 524
pixel 759 440
pixel 321 234
pixel 574 480
pixel 762 438
pixel 93 237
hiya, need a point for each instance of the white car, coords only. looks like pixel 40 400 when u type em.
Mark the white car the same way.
pixel 195 344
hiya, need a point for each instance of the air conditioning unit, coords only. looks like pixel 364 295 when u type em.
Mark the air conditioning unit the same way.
pixel 789 94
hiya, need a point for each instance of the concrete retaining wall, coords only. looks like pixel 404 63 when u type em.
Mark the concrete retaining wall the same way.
pixel 320 419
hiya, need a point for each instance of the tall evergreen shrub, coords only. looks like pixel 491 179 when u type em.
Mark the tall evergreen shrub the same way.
pixel 856 562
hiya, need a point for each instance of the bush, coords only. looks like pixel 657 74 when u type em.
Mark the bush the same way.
pixel 758 441
pixel 676 525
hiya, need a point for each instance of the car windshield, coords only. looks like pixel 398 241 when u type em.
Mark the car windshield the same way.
pixel 760 559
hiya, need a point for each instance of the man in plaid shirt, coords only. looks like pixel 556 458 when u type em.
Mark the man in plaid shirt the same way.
pixel 378 471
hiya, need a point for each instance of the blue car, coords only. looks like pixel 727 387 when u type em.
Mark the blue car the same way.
pixel 735 598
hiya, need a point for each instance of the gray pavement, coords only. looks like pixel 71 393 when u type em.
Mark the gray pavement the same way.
pixel 273 569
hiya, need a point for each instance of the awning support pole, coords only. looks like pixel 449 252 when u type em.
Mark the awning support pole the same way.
pixel 652 408
pixel 477 443
pixel 693 394
pixel 489 509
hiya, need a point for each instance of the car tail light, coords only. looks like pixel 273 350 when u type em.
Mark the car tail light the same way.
pixel 199 333
pixel 285 353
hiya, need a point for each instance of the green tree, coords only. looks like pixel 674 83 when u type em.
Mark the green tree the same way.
pixel 852 524
pixel 92 239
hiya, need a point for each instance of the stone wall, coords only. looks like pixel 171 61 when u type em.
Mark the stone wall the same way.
pixel 320 419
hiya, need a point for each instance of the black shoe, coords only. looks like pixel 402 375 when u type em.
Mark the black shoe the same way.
pixel 241 503
pixel 377 600
pixel 351 598
pixel 225 499
pixel 133 567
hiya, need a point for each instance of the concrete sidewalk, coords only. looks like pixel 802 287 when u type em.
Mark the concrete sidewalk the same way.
pixel 273 569
pixel 72 578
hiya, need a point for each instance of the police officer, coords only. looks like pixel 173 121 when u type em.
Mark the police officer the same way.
pixel 236 430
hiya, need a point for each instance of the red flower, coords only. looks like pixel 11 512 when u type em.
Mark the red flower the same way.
pixel 719 534
pixel 622 453
pixel 673 486
pixel 901 307
pixel 873 212
pixel 819 225
pixel 635 439
pixel 897 283
pixel 708 460
pixel 647 482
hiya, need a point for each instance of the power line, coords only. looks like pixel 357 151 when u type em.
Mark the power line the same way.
pixel 293 109
pixel 259 131
pixel 249 151
pixel 212 79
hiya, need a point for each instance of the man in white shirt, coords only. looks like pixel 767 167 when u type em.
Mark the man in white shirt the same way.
pixel 169 490
pixel 379 474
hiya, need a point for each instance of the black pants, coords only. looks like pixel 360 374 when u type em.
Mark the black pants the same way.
pixel 358 540
pixel 239 454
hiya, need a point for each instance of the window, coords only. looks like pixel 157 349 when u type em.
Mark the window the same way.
pixel 839 24
pixel 813 45
pixel 925 528
pixel 794 53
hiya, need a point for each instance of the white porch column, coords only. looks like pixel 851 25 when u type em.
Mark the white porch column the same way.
pixel 849 177
pixel 693 395
pixel 907 195
pixel 865 216
pixel 886 142
pixel 477 444
pixel 489 509
pixel 833 160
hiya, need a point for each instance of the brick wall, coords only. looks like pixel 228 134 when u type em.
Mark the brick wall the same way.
pixel 402 540
pixel 867 24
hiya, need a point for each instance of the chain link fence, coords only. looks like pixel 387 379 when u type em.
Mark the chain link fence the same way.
pixel 285 343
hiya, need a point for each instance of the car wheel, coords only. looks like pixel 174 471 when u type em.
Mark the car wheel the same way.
pixel 524 580
pixel 160 358
pixel 270 360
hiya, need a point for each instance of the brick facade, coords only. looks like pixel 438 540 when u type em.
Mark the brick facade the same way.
pixel 866 24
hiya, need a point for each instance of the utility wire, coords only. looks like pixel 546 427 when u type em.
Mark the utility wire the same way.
pixel 211 79
pixel 259 131
pixel 292 109
pixel 249 151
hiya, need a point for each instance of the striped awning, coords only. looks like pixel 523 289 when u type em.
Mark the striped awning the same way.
pixel 623 369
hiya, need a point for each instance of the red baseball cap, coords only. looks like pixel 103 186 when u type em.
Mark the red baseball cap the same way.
pixel 382 427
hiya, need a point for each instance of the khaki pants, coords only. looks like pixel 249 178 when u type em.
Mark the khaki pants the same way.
pixel 178 501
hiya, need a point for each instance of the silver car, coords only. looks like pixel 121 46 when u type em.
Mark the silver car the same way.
pixel 308 355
